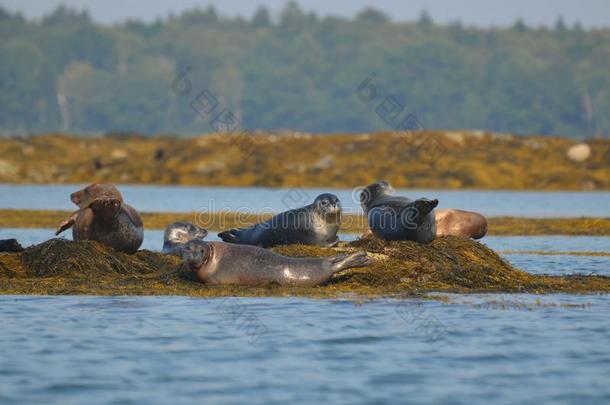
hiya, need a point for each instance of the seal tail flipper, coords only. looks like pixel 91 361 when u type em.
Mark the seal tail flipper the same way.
pixel 424 206
pixel 333 243
pixel 67 224
pixel 345 261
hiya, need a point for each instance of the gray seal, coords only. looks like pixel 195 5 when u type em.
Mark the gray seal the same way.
pixel 392 217
pixel 224 263
pixel 105 218
pixel 178 234
pixel 314 224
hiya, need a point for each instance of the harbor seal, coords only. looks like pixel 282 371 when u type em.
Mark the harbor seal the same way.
pixel 10 246
pixel 104 217
pixel 398 218
pixel 314 224
pixel 178 234
pixel 224 263
pixel 467 224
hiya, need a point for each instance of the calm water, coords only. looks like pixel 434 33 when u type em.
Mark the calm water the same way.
pixel 180 350
pixel 474 349
pixel 251 199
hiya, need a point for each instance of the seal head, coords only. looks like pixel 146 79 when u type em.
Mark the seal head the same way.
pixel 101 192
pixel 178 234
pixel 373 192
pixel 196 253
pixel 328 207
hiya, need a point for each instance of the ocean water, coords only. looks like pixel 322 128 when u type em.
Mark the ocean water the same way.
pixel 257 199
pixel 474 349
pixel 454 349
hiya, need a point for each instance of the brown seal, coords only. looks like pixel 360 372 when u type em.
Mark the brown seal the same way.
pixel 227 263
pixel 467 224
pixel 104 217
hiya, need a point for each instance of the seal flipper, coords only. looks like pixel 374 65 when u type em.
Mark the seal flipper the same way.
pixel 334 242
pixel 67 224
pixel 231 236
pixel 345 261
pixel 425 206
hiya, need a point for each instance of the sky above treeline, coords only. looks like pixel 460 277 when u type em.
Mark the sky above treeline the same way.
pixel 483 13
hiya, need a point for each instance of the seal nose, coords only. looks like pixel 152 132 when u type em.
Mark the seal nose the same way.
pixel 74 198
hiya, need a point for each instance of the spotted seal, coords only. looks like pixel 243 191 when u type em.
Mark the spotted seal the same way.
pixel 177 234
pixel 314 224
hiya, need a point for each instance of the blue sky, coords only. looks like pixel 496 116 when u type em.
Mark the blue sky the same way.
pixel 590 13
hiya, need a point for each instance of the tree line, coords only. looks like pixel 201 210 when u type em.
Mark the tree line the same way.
pixel 299 71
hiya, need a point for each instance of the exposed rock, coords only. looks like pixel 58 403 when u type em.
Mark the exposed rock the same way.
pixel 579 152
pixel 209 167
pixel 324 162
pixel 456 137
pixel 119 154
pixel 7 169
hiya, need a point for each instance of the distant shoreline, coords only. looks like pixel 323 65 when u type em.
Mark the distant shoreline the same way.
pixel 450 160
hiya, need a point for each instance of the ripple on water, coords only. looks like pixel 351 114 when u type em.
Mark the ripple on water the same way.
pixel 537 348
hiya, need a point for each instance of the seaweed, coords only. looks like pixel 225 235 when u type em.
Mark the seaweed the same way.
pixel 448 264
pixel 448 159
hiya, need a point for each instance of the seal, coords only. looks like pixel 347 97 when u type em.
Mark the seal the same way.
pixel 466 224
pixel 392 217
pixel 314 224
pixel 10 246
pixel 104 217
pixel 178 234
pixel 224 263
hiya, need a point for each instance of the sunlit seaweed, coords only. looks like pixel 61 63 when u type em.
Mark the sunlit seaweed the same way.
pixel 448 264
pixel 448 159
